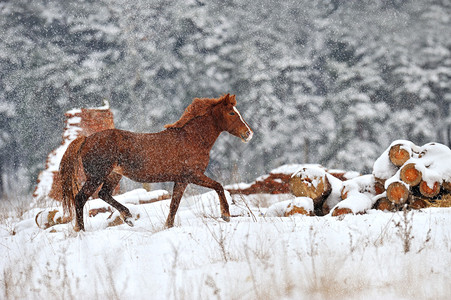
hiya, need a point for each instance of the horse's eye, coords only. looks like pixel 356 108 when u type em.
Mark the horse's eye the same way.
pixel 231 113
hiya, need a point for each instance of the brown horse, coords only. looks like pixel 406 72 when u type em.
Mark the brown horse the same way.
pixel 180 153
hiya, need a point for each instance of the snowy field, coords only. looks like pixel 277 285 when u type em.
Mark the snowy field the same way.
pixel 377 255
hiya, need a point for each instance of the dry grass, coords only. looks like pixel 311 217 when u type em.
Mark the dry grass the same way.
pixel 444 202
pixel 12 211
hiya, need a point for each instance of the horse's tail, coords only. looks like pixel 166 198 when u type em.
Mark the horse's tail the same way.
pixel 68 171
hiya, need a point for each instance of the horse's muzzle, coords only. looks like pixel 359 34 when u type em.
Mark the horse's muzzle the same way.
pixel 246 137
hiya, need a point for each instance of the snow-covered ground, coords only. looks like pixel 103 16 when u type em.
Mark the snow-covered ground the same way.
pixel 377 255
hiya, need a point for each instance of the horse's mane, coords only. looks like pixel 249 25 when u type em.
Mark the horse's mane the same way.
pixel 198 108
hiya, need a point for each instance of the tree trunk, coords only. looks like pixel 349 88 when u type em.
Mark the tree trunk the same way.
pixel 410 175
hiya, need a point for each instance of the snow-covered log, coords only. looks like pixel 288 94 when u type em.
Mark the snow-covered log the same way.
pixel 416 202
pixel 335 195
pixel 298 205
pixel 385 204
pixel 339 211
pixel 363 184
pixel 355 203
pixel 301 206
pixel 410 174
pixel 399 154
pixel 311 182
pixel 276 182
pixel 379 186
pixel 429 190
pixel 398 192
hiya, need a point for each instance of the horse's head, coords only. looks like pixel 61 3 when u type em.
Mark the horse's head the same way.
pixel 230 120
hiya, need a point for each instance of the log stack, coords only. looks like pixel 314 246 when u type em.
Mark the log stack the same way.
pixel 278 181
pixel 405 174
pixel 416 175
pixel 273 183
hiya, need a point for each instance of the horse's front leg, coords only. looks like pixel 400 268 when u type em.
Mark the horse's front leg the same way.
pixel 203 180
pixel 177 193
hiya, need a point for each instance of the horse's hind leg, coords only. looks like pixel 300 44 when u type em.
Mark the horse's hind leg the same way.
pixel 106 194
pixel 89 187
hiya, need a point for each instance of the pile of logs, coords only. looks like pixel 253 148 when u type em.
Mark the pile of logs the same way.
pixel 405 174
pixel 419 175
pixel 273 183
pixel 278 181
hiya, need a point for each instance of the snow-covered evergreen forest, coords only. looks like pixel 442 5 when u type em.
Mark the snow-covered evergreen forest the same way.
pixel 330 82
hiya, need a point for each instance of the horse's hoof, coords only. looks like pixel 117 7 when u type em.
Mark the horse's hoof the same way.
pixel 225 218
pixel 78 228
pixel 129 221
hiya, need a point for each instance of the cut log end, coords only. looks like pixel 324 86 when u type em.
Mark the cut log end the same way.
pixel 385 205
pixel 398 156
pixel 410 175
pixel 297 210
pixel 341 211
pixel 428 191
pixel 447 186
pixel 379 187
pixel 303 187
pixel 397 192
pixel 418 203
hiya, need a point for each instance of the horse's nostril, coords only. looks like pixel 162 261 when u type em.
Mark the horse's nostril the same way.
pixel 249 135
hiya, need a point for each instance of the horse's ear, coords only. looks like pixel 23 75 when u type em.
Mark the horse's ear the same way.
pixel 233 100
pixel 226 99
